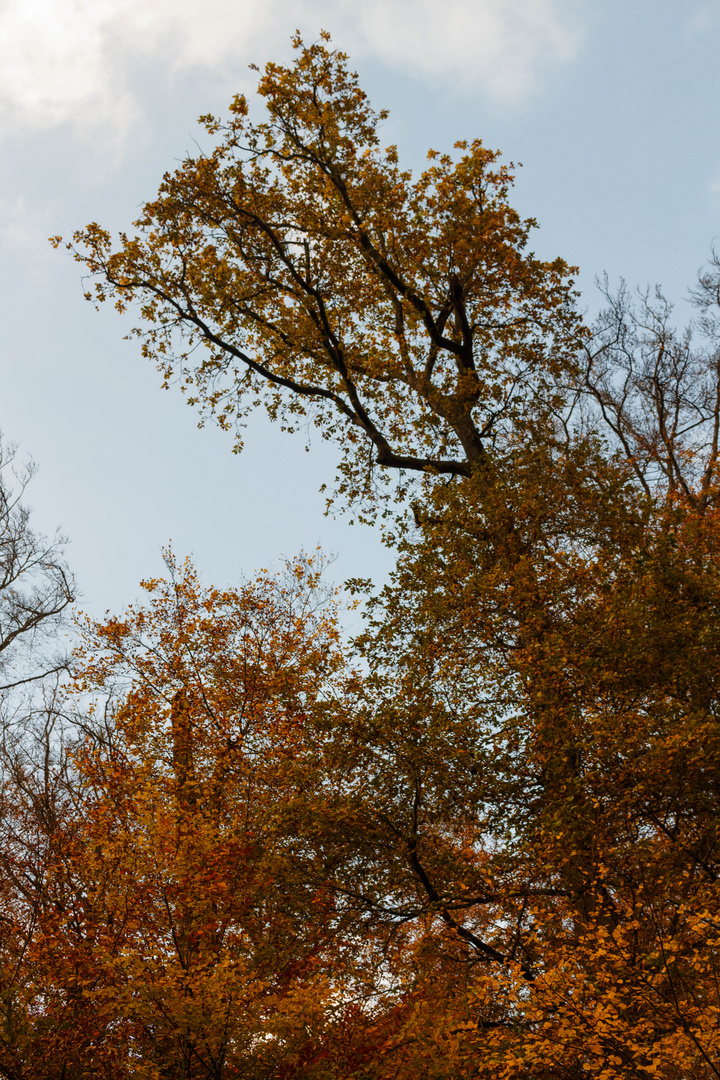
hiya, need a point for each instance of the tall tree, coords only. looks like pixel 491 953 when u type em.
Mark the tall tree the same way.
pixel 551 757
pixel 519 811
pixel 36 588
pixel 176 914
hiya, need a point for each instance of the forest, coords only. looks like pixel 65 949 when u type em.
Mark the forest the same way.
pixel 479 838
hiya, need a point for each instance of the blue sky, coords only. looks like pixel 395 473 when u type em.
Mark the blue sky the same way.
pixel 612 107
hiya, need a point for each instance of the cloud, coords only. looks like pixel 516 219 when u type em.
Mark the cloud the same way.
pixel 504 50
pixel 22 229
pixel 55 68
pixel 71 61
pixel 704 18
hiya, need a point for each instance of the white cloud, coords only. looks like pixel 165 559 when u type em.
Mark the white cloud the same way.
pixel 22 229
pixel 55 68
pixel 69 61
pixel 504 49
pixel 704 18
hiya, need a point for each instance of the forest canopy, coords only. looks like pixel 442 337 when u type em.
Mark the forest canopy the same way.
pixel 481 839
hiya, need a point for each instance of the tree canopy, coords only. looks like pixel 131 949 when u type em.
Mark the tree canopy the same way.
pixel 482 840
pixel 404 317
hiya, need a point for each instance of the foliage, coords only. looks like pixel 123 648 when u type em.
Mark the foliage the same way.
pixel 491 851
pixel 36 588
pixel 193 950
pixel 554 777
pixel 404 317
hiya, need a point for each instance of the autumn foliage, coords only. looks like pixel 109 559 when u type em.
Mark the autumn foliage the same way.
pixel 481 840
pixel 405 318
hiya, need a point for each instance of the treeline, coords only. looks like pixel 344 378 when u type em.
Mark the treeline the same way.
pixel 482 839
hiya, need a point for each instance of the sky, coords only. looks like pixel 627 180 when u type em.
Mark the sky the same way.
pixel 612 106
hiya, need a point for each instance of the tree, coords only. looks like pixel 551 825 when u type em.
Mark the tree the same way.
pixel 35 584
pixel 514 813
pixel 551 755
pixel 404 318
pixel 175 916
pixel 42 1025
pixel 36 588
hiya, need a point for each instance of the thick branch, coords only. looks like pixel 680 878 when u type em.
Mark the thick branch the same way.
pixel 357 416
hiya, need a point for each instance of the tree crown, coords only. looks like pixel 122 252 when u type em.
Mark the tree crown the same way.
pixel 404 317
